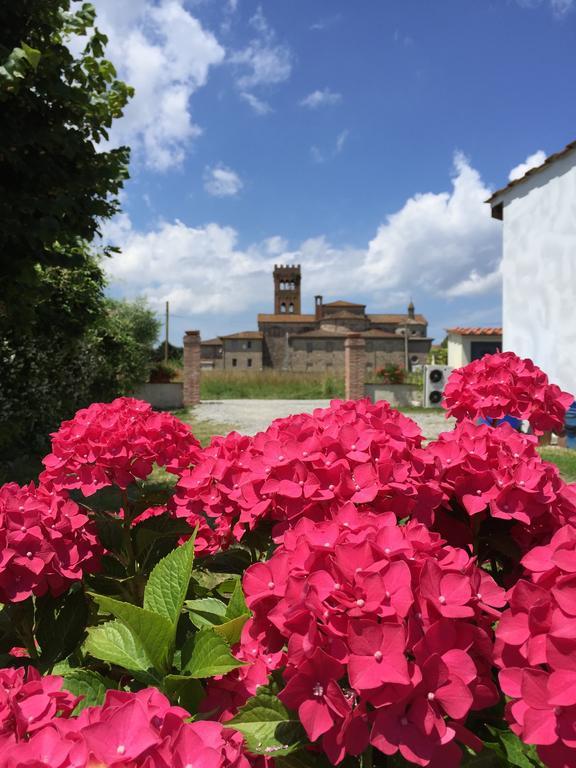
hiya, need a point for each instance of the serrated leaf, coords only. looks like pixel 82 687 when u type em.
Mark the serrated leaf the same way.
pixel 517 752
pixel 113 642
pixel 88 684
pixel 154 632
pixel 237 605
pixel 268 727
pixel 206 611
pixel 231 630
pixel 167 585
pixel 210 656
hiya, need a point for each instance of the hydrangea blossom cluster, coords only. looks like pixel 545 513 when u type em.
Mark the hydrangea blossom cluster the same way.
pixel 115 444
pixel 29 702
pixel 498 473
pixel 46 542
pixel 506 385
pixel 308 465
pixel 383 633
pixel 130 730
pixel 536 650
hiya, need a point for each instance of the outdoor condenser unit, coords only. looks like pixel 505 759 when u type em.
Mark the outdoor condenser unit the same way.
pixel 435 378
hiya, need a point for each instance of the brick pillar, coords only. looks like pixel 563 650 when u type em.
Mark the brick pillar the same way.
pixel 354 365
pixel 191 368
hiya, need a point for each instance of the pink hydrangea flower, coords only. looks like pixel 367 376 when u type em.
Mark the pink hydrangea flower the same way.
pixel 380 632
pixel 46 543
pixel 117 443
pixel 506 385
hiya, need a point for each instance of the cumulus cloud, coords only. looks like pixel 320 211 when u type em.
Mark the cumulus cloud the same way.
pixel 532 161
pixel 264 61
pixel 443 243
pixel 321 98
pixel 259 106
pixel 221 181
pixel 165 53
pixel 439 244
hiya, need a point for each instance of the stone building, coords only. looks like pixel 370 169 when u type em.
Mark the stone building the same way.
pixel 289 340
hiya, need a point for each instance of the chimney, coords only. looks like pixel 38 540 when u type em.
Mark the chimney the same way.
pixel 318 307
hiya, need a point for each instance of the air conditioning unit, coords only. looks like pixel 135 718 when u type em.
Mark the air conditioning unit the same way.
pixel 435 378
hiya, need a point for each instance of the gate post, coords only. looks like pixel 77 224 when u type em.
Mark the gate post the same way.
pixel 191 368
pixel 354 365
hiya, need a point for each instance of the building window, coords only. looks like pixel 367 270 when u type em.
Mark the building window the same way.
pixel 283 307
pixel 249 362
pixel 329 346
pixel 234 362
pixel 309 346
pixel 291 308
pixel 248 345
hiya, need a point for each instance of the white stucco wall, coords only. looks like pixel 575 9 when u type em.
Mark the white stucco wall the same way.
pixel 459 348
pixel 539 270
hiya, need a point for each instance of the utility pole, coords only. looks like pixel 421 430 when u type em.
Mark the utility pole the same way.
pixel 167 327
pixel 406 348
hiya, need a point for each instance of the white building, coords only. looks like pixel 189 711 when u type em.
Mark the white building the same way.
pixel 539 265
pixel 467 344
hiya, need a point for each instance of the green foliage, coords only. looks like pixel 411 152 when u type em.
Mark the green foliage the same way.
pixel 85 683
pixel 269 384
pixel 55 185
pixel 268 726
pixel 61 345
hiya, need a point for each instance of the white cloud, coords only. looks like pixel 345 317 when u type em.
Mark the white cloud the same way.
pixel 264 61
pixel 166 54
pixel 442 245
pixel 320 156
pixel 341 139
pixel 220 181
pixel 321 98
pixel 559 7
pixel 259 106
pixel 532 161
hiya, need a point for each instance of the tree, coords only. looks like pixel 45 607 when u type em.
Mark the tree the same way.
pixel 56 185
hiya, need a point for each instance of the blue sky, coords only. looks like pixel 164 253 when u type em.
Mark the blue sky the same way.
pixel 356 137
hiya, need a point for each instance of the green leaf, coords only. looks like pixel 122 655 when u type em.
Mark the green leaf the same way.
pixel 167 585
pixel 154 632
pixel 88 684
pixel 32 55
pixel 268 727
pixel 184 691
pixel 517 752
pixel 114 643
pixel 231 630
pixel 206 612
pixel 237 605
pixel 210 656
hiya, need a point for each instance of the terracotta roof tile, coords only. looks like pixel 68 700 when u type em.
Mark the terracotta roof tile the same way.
pixel 475 331
pixel 244 335
pixel 341 303
pixel 211 342
pixel 397 318
pixel 286 318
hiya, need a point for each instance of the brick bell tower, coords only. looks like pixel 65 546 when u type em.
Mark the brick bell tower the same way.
pixel 287 289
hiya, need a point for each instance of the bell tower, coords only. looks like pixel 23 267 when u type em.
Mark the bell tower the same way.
pixel 287 289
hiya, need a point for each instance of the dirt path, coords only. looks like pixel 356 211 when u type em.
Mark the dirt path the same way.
pixel 251 416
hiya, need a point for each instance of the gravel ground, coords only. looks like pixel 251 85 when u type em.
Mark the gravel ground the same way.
pixel 251 416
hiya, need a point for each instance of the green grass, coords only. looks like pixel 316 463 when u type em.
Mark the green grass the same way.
pixel 269 385
pixel 564 458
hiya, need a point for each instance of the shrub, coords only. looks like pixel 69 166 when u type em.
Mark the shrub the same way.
pixel 399 601
pixel 391 374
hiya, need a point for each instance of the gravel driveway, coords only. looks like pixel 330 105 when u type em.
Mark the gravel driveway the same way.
pixel 251 416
